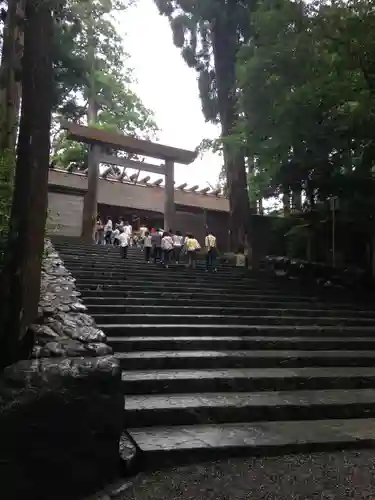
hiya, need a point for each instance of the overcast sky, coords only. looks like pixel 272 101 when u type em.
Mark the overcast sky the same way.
pixel 168 87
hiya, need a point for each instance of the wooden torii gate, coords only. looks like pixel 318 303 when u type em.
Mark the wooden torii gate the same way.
pixel 98 140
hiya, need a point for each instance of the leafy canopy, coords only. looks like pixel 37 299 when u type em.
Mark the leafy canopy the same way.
pixel 92 76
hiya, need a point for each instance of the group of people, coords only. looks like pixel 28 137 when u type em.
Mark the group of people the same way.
pixel 157 244
pixel 109 233
pixel 165 246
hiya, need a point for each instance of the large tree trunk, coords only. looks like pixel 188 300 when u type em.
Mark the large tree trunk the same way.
pixel 260 206
pixel 286 201
pixel 224 42
pixel 297 198
pixel 10 73
pixel 90 202
pixel 20 284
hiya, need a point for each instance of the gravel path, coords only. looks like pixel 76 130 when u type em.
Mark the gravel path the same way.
pixel 340 475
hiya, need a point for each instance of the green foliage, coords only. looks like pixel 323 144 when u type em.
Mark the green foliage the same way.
pixel 194 26
pixel 92 80
pixel 307 87
pixel 209 34
pixel 307 121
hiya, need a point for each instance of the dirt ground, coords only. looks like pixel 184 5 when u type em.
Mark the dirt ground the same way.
pixel 339 475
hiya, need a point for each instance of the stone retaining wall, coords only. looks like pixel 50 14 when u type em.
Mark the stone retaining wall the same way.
pixel 60 411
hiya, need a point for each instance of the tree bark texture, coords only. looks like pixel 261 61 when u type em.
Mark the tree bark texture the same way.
pixel 286 202
pixel 297 198
pixel 20 287
pixel 224 42
pixel 10 73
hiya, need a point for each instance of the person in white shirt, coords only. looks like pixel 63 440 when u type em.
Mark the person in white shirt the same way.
pixel 211 249
pixel 178 243
pixel 147 245
pixel 142 234
pixel 108 231
pixel 116 234
pixel 124 243
pixel 167 247
pixel 142 231
pixel 128 230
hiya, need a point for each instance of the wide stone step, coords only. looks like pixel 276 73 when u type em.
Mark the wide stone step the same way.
pixel 97 307
pixel 138 259
pixel 155 343
pixel 82 246
pixel 141 360
pixel 179 286
pixel 198 280
pixel 203 442
pixel 89 263
pixel 218 319
pixel 107 300
pixel 185 275
pixel 226 407
pixel 144 269
pixel 246 379
pixel 193 330
pixel 188 293
pixel 158 269
pixel 208 286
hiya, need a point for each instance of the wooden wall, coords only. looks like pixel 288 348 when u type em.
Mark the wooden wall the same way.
pixel 65 214
pixel 188 222
pixel 135 196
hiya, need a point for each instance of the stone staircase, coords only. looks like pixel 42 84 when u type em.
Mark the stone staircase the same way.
pixel 230 362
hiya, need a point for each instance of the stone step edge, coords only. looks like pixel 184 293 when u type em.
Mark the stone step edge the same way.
pixel 249 399
pixel 106 301
pixel 167 443
pixel 186 374
pixel 196 317
pixel 246 353
pixel 162 293
pixel 169 326
pixel 226 308
pixel 238 338
pixel 141 284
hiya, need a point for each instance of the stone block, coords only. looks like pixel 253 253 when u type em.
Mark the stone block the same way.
pixel 60 422
pixel 61 412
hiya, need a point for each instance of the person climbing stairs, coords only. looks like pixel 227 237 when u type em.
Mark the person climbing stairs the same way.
pixel 231 361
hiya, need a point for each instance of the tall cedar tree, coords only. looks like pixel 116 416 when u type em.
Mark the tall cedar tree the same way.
pixel 93 81
pixel 20 280
pixel 209 33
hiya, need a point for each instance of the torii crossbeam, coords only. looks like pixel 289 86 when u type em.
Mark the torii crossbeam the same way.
pixel 100 139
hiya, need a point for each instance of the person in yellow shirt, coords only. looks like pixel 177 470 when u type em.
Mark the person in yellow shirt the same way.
pixel 211 249
pixel 192 246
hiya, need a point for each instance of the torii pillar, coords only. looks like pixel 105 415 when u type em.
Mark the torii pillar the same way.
pixel 90 201
pixel 169 206
pixel 97 139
